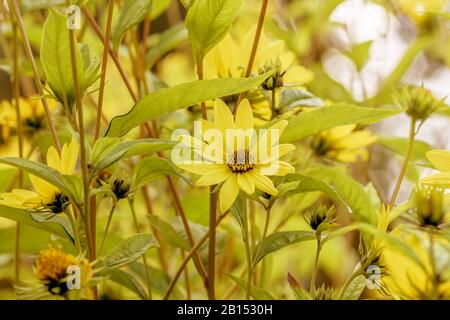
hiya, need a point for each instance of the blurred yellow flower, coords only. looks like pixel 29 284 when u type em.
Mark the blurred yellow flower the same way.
pixel 230 58
pixel 52 267
pixel 406 278
pixel 344 143
pixel 440 159
pixel 238 165
pixel 46 196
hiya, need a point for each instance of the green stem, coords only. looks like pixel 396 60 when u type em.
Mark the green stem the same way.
pixel 412 136
pixel 264 235
pixel 74 226
pixel 144 258
pixel 247 252
pixel 108 224
pixel 316 262
pixel 83 157
pixel 16 93
pixel 212 244
pixel 37 79
pixel 104 65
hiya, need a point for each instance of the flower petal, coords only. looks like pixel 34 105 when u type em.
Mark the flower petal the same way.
pixel 246 183
pixel 228 193
pixel 441 180
pixel 198 167
pixel 244 116
pixel 214 177
pixel 223 119
pixel 440 159
pixel 263 183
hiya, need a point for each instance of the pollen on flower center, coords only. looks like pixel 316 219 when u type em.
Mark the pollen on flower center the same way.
pixel 241 161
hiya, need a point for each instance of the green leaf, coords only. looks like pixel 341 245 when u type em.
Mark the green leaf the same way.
pixel 55 58
pixel 355 288
pixel 177 97
pixel 151 169
pixel 351 191
pixel 400 145
pixel 126 252
pixel 130 281
pixel 158 8
pixel 291 98
pixel 105 156
pixel 208 21
pixel 159 280
pixel 24 216
pixel 132 13
pixel 255 292
pixel 279 240
pixel 169 234
pixel 312 122
pixel 167 41
pixel 46 173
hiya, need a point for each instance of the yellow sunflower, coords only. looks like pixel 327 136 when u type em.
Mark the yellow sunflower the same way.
pixel 271 55
pixel 237 158
pixel 344 143
pixel 46 196
pixel 440 159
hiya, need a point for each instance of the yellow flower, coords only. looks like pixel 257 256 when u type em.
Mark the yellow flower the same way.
pixel 46 196
pixel 230 58
pixel 406 278
pixel 344 143
pixel 52 269
pixel 440 159
pixel 236 157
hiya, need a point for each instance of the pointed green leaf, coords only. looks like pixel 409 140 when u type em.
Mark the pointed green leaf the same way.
pixel 177 97
pixel 279 240
pixel 169 234
pixel 132 13
pixel 312 122
pixel 208 21
pixel 55 58
pixel 126 252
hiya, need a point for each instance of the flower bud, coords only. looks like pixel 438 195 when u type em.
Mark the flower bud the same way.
pixel 418 102
pixel 120 186
pixel 429 206
pixel 321 218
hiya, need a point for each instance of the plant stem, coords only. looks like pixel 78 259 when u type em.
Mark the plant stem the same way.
pixel 188 257
pixel 108 224
pixel 144 258
pixel 212 245
pixel 249 258
pixel 187 228
pixel 83 157
pixel 412 135
pixel 200 75
pixel 248 71
pixel 37 79
pixel 73 223
pixel 113 55
pixel 15 86
pixel 316 262
pixel 104 66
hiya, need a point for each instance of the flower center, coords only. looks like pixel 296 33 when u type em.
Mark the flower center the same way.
pixel 59 203
pixel 240 161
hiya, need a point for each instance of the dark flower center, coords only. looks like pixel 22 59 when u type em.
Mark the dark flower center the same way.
pixel 241 161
